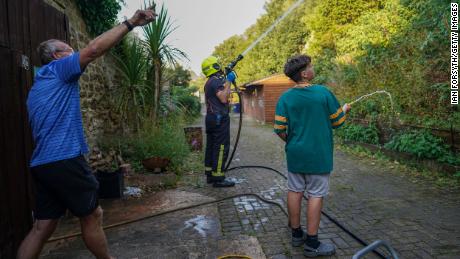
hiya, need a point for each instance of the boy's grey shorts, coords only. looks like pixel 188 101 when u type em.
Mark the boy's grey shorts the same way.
pixel 316 185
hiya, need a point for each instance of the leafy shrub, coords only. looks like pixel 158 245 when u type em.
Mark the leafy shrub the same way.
pixel 100 15
pixel 358 47
pixel 359 133
pixel 167 139
pixel 184 97
pixel 423 144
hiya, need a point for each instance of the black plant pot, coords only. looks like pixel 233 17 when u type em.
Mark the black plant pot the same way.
pixel 111 184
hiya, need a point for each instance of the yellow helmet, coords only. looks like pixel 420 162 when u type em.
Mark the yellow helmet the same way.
pixel 210 66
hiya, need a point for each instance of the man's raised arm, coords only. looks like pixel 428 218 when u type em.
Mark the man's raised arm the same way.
pixel 104 42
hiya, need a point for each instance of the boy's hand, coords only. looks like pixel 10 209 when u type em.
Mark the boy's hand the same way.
pixel 346 108
pixel 282 136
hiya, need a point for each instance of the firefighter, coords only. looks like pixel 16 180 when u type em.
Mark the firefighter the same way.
pixel 217 93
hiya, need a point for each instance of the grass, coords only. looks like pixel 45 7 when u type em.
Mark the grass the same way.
pixel 193 169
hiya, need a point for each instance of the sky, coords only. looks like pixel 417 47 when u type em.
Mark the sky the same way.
pixel 203 24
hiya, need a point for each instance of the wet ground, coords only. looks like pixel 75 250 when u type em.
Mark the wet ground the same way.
pixel 371 199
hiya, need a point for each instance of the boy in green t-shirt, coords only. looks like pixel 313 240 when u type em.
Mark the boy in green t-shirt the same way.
pixel 304 118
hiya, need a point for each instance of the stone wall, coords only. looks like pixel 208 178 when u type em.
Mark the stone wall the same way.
pixel 96 84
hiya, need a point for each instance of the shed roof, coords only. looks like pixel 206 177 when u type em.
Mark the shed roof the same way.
pixel 273 80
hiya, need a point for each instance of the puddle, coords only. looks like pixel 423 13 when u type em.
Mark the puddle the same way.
pixel 236 180
pixel 200 223
pixel 132 191
pixel 272 192
pixel 249 204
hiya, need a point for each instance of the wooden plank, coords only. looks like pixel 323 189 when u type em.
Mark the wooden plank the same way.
pixel 36 31
pixel 6 232
pixel 4 31
pixel 25 27
pixel 16 24
pixel 50 13
pixel 15 146
pixel 63 27
pixel 14 167
pixel 46 23
pixel 67 29
pixel 59 27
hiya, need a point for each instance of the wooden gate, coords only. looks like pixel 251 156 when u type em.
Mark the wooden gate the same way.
pixel 23 24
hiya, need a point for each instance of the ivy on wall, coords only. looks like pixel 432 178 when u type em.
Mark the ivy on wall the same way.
pixel 100 15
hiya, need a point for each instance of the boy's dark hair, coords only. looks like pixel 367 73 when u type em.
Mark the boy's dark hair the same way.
pixel 295 65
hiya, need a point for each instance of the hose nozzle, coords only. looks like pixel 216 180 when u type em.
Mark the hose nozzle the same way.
pixel 232 64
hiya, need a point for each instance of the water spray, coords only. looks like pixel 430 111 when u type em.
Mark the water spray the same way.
pixel 253 44
pixel 294 6
pixel 392 121
pixel 376 92
pixel 232 64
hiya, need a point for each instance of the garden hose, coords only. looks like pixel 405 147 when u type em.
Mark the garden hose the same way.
pixel 234 256
pixel 237 139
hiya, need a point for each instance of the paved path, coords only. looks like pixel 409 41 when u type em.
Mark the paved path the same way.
pixel 371 200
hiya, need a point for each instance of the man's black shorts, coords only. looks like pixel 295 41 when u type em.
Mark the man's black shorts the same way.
pixel 66 184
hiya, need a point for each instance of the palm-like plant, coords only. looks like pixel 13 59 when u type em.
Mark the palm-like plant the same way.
pixel 160 52
pixel 132 65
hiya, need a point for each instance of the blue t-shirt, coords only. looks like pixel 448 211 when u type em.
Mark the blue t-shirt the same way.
pixel 53 105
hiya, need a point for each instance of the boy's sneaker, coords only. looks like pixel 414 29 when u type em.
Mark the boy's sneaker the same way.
pixel 323 249
pixel 298 241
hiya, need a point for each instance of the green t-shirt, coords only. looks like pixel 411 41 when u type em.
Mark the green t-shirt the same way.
pixel 307 115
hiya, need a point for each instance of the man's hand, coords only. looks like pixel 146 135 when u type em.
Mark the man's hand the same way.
pixel 142 17
pixel 282 136
pixel 108 39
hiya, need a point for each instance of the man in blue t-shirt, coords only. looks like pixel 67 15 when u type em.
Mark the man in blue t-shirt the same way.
pixel 61 175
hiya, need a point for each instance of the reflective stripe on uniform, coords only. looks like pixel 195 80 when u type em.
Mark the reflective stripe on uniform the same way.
pixel 219 163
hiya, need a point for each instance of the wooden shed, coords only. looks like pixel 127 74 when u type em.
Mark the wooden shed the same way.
pixel 260 97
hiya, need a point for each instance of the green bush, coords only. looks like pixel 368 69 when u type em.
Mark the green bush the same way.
pixel 167 139
pixel 423 144
pixel 100 15
pixel 359 133
pixel 358 47
pixel 184 98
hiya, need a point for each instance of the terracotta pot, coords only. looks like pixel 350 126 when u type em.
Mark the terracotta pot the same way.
pixel 156 164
